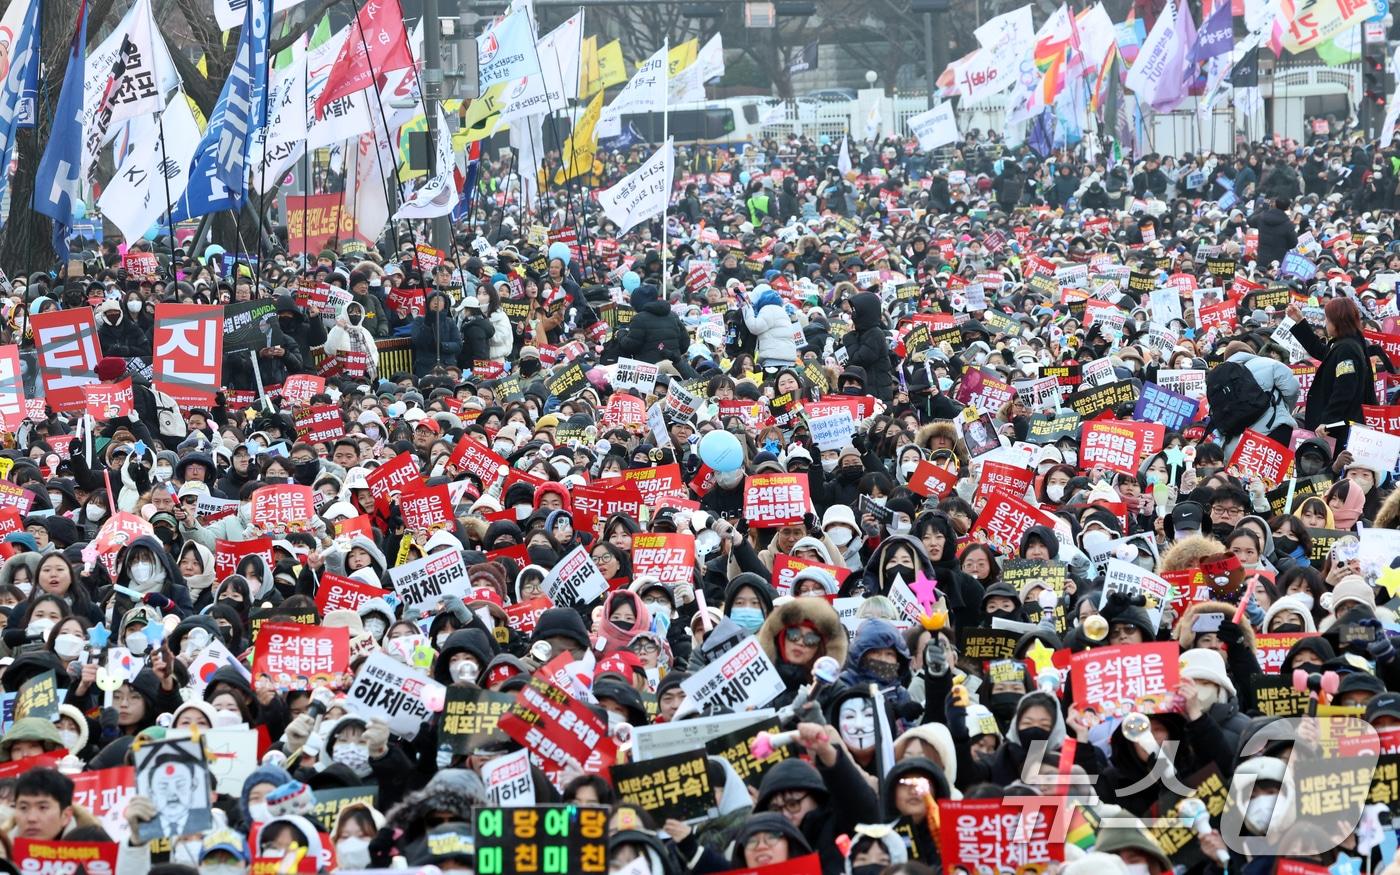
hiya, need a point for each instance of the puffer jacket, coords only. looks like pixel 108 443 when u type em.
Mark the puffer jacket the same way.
pixel 770 324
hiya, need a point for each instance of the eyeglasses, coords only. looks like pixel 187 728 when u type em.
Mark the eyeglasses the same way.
pixel 1226 512
pixel 788 803
pixel 763 840
pixel 645 648
pixel 805 637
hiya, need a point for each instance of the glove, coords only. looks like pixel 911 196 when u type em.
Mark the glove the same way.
pixel 156 600
pixel 458 609
pixel 108 722
pixel 1230 633
pixel 376 738
pixel 298 731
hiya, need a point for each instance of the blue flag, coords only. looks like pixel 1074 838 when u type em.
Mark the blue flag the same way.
pixel 219 172
pixel 1217 35
pixel 58 183
pixel 19 90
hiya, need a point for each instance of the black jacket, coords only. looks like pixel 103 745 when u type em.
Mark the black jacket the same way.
pixel 867 346
pixel 655 335
pixel 476 341
pixel 1344 380
pixel 1276 235
pixel 125 339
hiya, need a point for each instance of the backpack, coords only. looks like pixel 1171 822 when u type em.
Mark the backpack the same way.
pixel 1236 399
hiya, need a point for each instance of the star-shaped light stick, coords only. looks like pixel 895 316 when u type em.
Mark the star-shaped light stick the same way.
pixel 1389 581
pixel 925 590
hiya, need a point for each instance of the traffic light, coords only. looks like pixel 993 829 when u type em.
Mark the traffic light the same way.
pixel 1373 80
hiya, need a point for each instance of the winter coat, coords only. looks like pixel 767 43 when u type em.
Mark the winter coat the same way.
pixel 436 338
pixel 376 318
pixel 773 328
pixel 1270 374
pixel 1276 235
pixel 654 335
pixel 1343 382
pixel 341 339
pixel 477 333
pixel 867 346
pixel 502 336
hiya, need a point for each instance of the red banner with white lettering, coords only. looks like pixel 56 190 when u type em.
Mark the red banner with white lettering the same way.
pixel 68 352
pixel 336 593
pixel 65 858
pixel 1258 454
pixel 996 835
pixel 1005 520
pixel 1118 446
pixel 930 480
pixel 298 389
pixel 669 558
pixel 1126 677
pixel 426 508
pixel 319 424
pixel 393 478
pixel 295 656
pixel 786 567
pixel 773 500
pixel 1000 478
pixel 108 400
pixel 11 388
pixel 227 555
pixel 379 26
pixel 188 345
pixel 284 507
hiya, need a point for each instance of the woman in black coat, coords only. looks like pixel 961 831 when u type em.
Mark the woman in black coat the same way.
pixel 868 347
pixel 655 334
pixel 477 332
pixel 1344 379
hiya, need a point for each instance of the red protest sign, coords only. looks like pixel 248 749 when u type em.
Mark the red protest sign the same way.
pixel 996 835
pixel 106 400
pixel 477 460
pixel 1258 454
pixel 786 567
pixel 1378 416
pixel 295 656
pixel 1118 446
pixel 601 502
pixel 656 482
pixel 65 858
pixel 355 525
pixel 558 728
pixel 393 478
pixel 120 530
pixel 336 593
pixel 1388 342
pixel 772 500
pixel 426 508
pixel 16 497
pixel 809 864
pixel 188 342
pixel 320 423
pixel 227 555
pixel 282 507
pixel 12 406
pixel 407 300
pixel 930 480
pixel 428 257
pixel 105 793
pixel 298 389
pixel 10 522
pixel 1005 519
pixel 1000 478
pixel 68 352
pixel 624 411
pixel 1126 677
pixel 669 558
pixel 141 265
pixel 1222 316
pixel 522 617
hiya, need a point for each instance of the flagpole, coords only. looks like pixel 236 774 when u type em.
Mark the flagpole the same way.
pixel 165 177
pixel 262 171
pixel 307 159
pixel 665 138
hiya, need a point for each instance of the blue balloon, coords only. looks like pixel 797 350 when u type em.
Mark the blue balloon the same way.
pixel 630 281
pixel 79 209
pixel 560 250
pixel 743 177
pixel 721 451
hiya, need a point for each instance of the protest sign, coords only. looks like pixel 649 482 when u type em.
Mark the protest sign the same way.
pixel 624 411
pixel 775 500
pixel 786 567
pixel 12 400
pixel 471 717
pixel 1125 677
pixel 670 558
pixel 291 656
pixel 393 692
pixel 1190 382
pixel 64 858
pixel 320 423
pixel 1090 401
pixel 509 781
pixel 1043 393
pixel 68 353
pixel 656 482
pixel 983 644
pixel 38 697
pixel 229 555
pixel 559 728
pixel 297 389
pixel 426 508
pixel 283 507
pixel 676 786
pixel 108 400
pixel 478 461
pixel 931 480
pixel 1005 519
pixel 329 802
pixel 1126 577
pixel 105 793
pixel 393 478
pixel 1373 449
pixel 636 376
pixel 993 835
pixel 1000 478
pixel 522 616
pixel 1118 446
pixel 736 747
pixel 1257 454
pixel 562 838
pixel 575 579
pixel 832 431
pixel 1272 647
pixel 336 593
pixel 173 773
pixel 1172 409
pixel 741 678
pixel 423 582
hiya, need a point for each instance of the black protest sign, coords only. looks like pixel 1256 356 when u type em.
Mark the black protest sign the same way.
pixel 246 324
pixel 1050 573
pixel 1047 430
pixel 1175 835
pixel 1305 487
pixel 1272 299
pixel 566 381
pixel 1221 268
pixel 676 786
pixel 471 718
pixel 917 342
pixel 785 410
pixel 509 388
pixel 737 748
pixel 1068 375
pixel 1385 783
pixel 1275 697
pixel 951 336
pixel 983 644
pixel 1322 541
pixel 867 505
pixel 541 838
pixel 1090 402
pixel 38 697
pixel 1141 282
pixel 333 800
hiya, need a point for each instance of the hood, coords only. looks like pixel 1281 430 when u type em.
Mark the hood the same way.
pixel 613 636
pixel 865 311
pixel 937 736
pixel 473 641
pixel 1294 604
pixel 814 612
pixel 754 582
pixel 768 821
pixel 335 559
pixel 1057 733
pixel 173 577
pixel 810 543
pixel 912 767
pixel 1315 643
pixel 876 634
pixel 874 579
pixel 200 582
pixel 1045 535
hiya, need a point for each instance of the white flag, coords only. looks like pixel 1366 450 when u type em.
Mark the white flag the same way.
pixel 936 127
pixel 282 141
pixel 128 75
pixel 525 97
pixel 645 92
pixel 1158 60
pixel 370 173
pixel 1392 111
pixel 559 60
pixel 136 197
pixel 438 195
pixel 643 193
pixel 343 118
pixel 688 86
pixel 1005 40
pixel 229 13
pixel 843 160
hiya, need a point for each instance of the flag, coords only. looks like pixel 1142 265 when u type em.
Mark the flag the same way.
pixel 438 195
pixel 605 69
pixel 127 77
pixel 506 50
pixel 1321 20
pixel 58 182
pixel 219 174
pixel 1341 49
pixel 806 59
pixel 1051 50
pixel 135 198
pixel 1130 35
pixel 644 92
pixel 20 85
pixel 278 144
pixel 464 203
pixel 1217 34
pixel 884 737
pixel 344 117
pixel 843 160
pixel 582 143
pixel 559 61
pixel 378 25
pixel 1041 137
pixel 681 56
pixel 1245 73
pixel 688 86
pixel 641 194
pixel 1108 80
pixel 1158 74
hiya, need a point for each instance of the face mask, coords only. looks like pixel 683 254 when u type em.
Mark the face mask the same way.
pixel 729 479
pixel 39 628
pixel 1055 492
pixel 840 536
pixel 879 501
pixel 55 499
pixel 1136 869
pixel 1071 456
pixel 1095 541
pixel 895 574
pixel 24 586
pixel 68 645
pixel 945 384
pixel 376 627
pixel 829 465
pixel 69 738
pixel 142 572
pixel 751 619
pixel 162 473
pixel 503 448
pixel 133 306
pixel 522 511
pixel 1003 707
pixel 1306 598
pixel 900 527
pixel 1032 734
pixel 850 474
pixel 95 513
pixel 907 468
pixel 1259 811
pixel 855 719
pixel 1285 545
pixel 353 853
pixel 883 671
pixel 441 640
pixel 372 432
pixel 138 643
pixel 466 672
pixel 259 812
pixel 1287 627
pixel 354 757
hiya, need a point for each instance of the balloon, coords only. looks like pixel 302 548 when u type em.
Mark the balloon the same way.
pixel 79 209
pixel 721 451
pixel 560 250
pixel 743 177
pixel 630 281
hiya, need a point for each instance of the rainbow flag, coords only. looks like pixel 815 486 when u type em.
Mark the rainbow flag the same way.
pixel 1082 832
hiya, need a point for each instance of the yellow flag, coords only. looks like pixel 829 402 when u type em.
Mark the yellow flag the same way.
pixel 612 70
pixel 681 56
pixel 481 110
pixel 588 75
pixel 582 143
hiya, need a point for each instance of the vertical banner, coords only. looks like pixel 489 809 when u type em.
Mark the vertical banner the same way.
pixel 189 352
pixel 11 388
pixel 68 353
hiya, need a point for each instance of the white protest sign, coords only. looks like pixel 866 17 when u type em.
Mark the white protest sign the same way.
pixel 742 678
pixel 1040 393
pixel 641 194
pixel 1165 305
pixel 637 376
pixel 832 431
pixel 937 127
pixel 664 739
pixel 1283 336
pixel 209 506
pixel 976 296
pixel 393 692
pixel 1128 578
pixel 212 658
pixel 421 583
pixel 681 401
pixel 1098 372
pixel 509 783
pixel 656 422
pixel 1378 549
pixel 1373 449
pixel 233 756
pixel 1190 382
pixel 575 579
pixel 848 609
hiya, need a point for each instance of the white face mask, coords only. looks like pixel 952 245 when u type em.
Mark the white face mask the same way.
pixel 907 468
pixel 70 739
pixel 353 853
pixel 856 722
pixel 503 447
pixel 133 306
pixel 223 719
pixel 24 587
pixel 95 513
pixel 68 645
pixel 522 511
pixel 164 472
pixel 900 526
pixel 39 628
pixel 1136 869
pixel 1071 456
pixel 376 627
pixel 829 465
pixel 142 572
pixel 840 536
pixel 1055 492
pixel 1306 598
pixel 259 812
pixel 223 869
pixel 55 499
pixel 1259 811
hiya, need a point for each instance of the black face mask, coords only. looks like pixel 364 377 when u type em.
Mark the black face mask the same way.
pixel 1032 734
pixel 305 472
pixel 1005 615
pixel 883 671
pixel 1221 530
pixel 529 367
pixel 849 473
pixel 1003 707
pixel 1309 667
pixel 1288 627
pixel 1285 545
pixel 904 571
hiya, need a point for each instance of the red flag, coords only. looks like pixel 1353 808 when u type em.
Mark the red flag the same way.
pixel 379 26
